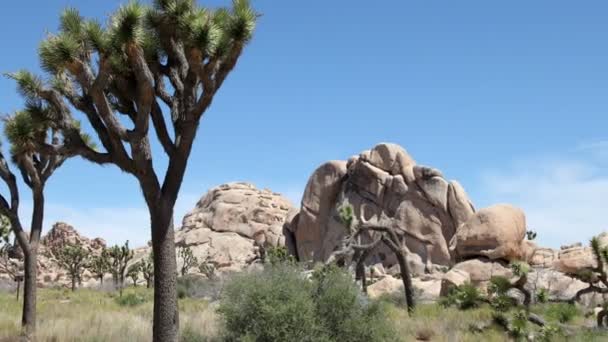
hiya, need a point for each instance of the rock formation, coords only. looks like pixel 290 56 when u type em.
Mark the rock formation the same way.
pixel 231 222
pixel 497 232
pixel 426 208
pixel 49 272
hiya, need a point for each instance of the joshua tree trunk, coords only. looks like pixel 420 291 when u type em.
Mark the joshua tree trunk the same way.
pixel 28 318
pixel 601 318
pixel 406 277
pixel 166 315
pixel 30 253
pixel 407 281
pixel 73 284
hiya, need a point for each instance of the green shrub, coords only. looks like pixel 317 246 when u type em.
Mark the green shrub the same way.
pixel 562 312
pixel 465 296
pixel 518 326
pixel 273 305
pixel 548 333
pixel 279 304
pixel 502 302
pixel 279 255
pixel 542 296
pixel 132 299
pixel 345 314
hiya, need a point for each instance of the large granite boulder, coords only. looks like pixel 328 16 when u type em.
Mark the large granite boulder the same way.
pixel 496 232
pixel 231 223
pixel 384 181
pixel 425 289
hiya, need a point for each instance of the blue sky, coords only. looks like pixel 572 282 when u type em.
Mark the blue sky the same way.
pixel 509 98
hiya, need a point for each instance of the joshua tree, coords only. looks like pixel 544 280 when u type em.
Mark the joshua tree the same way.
pixel 8 266
pixel 73 258
pixel 117 73
pixel 120 257
pixel 133 273
pixel 208 269
pixel 499 286
pixel 25 130
pixel 596 277
pixel 188 258
pixel 531 235
pixel 146 266
pixel 99 265
pixel 382 231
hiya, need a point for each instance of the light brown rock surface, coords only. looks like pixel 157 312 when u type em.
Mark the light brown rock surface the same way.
pixel 425 290
pixel 424 206
pixel 575 257
pixel 225 224
pixel 496 232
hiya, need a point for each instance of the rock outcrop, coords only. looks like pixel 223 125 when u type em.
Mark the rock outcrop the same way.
pixel 231 222
pixel 576 257
pixel 424 206
pixel 61 234
pixel 496 232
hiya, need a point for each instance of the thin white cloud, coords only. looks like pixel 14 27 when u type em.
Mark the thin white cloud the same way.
pixel 564 197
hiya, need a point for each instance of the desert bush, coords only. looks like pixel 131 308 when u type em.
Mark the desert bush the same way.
pixel 196 286
pixel 465 296
pixel 132 299
pixel 274 305
pixel 518 326
pixel 279 255
pixel 542 296
pixel 562 312
pixel 280 304
pixel 346 315
pixel 548 333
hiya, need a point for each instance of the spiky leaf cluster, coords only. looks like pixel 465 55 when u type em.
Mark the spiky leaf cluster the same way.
pixel 135 24
pixel 347 215
pixel 531 235
pixel 519 268
pixel 499 285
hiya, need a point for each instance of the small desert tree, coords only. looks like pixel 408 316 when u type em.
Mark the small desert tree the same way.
pixel 119 72
pixel 26 130
pixel 133 273
pixel 382 231
pixel 188 260
pixel 596 277
pixel 99 265
pixel 7 265
pixel 146 266
pixel 73 258
pixel 119 258
pixel 499 287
